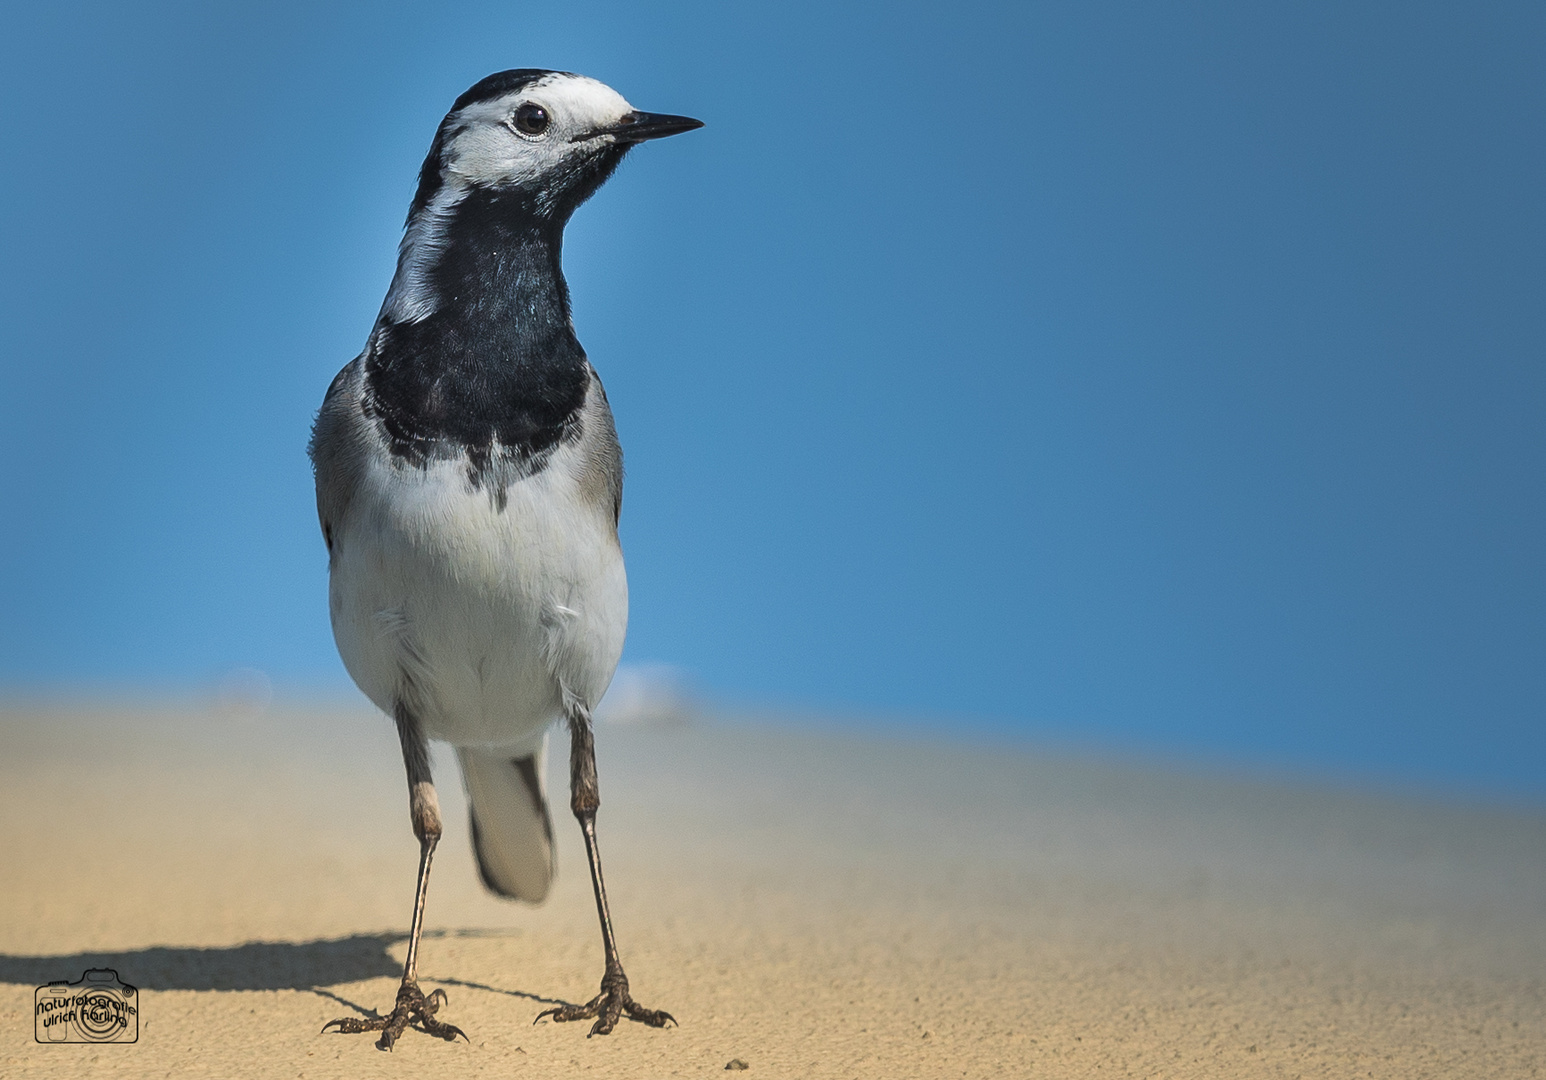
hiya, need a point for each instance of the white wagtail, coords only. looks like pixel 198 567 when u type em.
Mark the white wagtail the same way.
pixel 469 482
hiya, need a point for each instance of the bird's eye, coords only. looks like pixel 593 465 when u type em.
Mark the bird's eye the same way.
pixel 531 119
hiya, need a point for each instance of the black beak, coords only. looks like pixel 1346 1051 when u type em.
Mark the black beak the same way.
pixel 636 127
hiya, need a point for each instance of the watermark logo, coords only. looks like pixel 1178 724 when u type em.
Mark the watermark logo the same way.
pixel 96 1008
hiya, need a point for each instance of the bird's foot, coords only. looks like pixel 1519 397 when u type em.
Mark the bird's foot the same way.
pixel 608 1006
pixel 412 1008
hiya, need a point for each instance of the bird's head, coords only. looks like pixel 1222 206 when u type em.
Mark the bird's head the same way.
pixel 517 153
pixel 547 137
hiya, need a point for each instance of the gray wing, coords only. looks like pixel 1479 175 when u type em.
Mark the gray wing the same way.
pixel 602 474
pixel 338 448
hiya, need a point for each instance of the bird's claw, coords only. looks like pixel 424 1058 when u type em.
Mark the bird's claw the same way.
pixel 413 1008
pixel 608 1007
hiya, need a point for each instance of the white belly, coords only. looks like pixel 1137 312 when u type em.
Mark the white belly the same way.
pixel 482 617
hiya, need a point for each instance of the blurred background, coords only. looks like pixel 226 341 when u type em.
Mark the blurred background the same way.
pixel 1164 379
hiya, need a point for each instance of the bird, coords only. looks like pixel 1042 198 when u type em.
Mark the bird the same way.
pixel 469 486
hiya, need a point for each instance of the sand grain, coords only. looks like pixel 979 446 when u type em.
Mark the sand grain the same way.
pixel 813 906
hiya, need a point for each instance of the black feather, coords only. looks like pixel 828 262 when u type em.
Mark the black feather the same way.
pixel 495 372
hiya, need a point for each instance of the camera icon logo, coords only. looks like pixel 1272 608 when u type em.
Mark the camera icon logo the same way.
pixel 96 1008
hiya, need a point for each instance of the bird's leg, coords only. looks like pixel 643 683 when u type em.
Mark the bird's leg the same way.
pixel 585 797
pixel 424 807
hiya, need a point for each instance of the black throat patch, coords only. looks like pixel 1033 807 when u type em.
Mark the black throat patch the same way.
pixel 495 374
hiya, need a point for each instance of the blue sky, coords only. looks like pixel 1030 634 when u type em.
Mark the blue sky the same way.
pixel 1162 377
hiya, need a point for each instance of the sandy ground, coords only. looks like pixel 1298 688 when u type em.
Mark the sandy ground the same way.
pixel 815 906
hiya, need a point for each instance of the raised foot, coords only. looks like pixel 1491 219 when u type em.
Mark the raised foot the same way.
pixel 412 1008
pixel 607 1007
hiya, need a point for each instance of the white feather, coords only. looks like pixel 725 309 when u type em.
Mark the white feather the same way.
pixel 487 150
pixel 495 615
pixel 411 297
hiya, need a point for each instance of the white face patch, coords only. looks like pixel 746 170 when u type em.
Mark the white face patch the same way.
pixel 490 150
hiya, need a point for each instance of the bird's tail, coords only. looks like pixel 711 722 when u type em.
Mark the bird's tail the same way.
pixel 512 834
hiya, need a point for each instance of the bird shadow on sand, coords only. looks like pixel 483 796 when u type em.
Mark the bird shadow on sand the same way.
pixel 256 965
pixel 497 990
